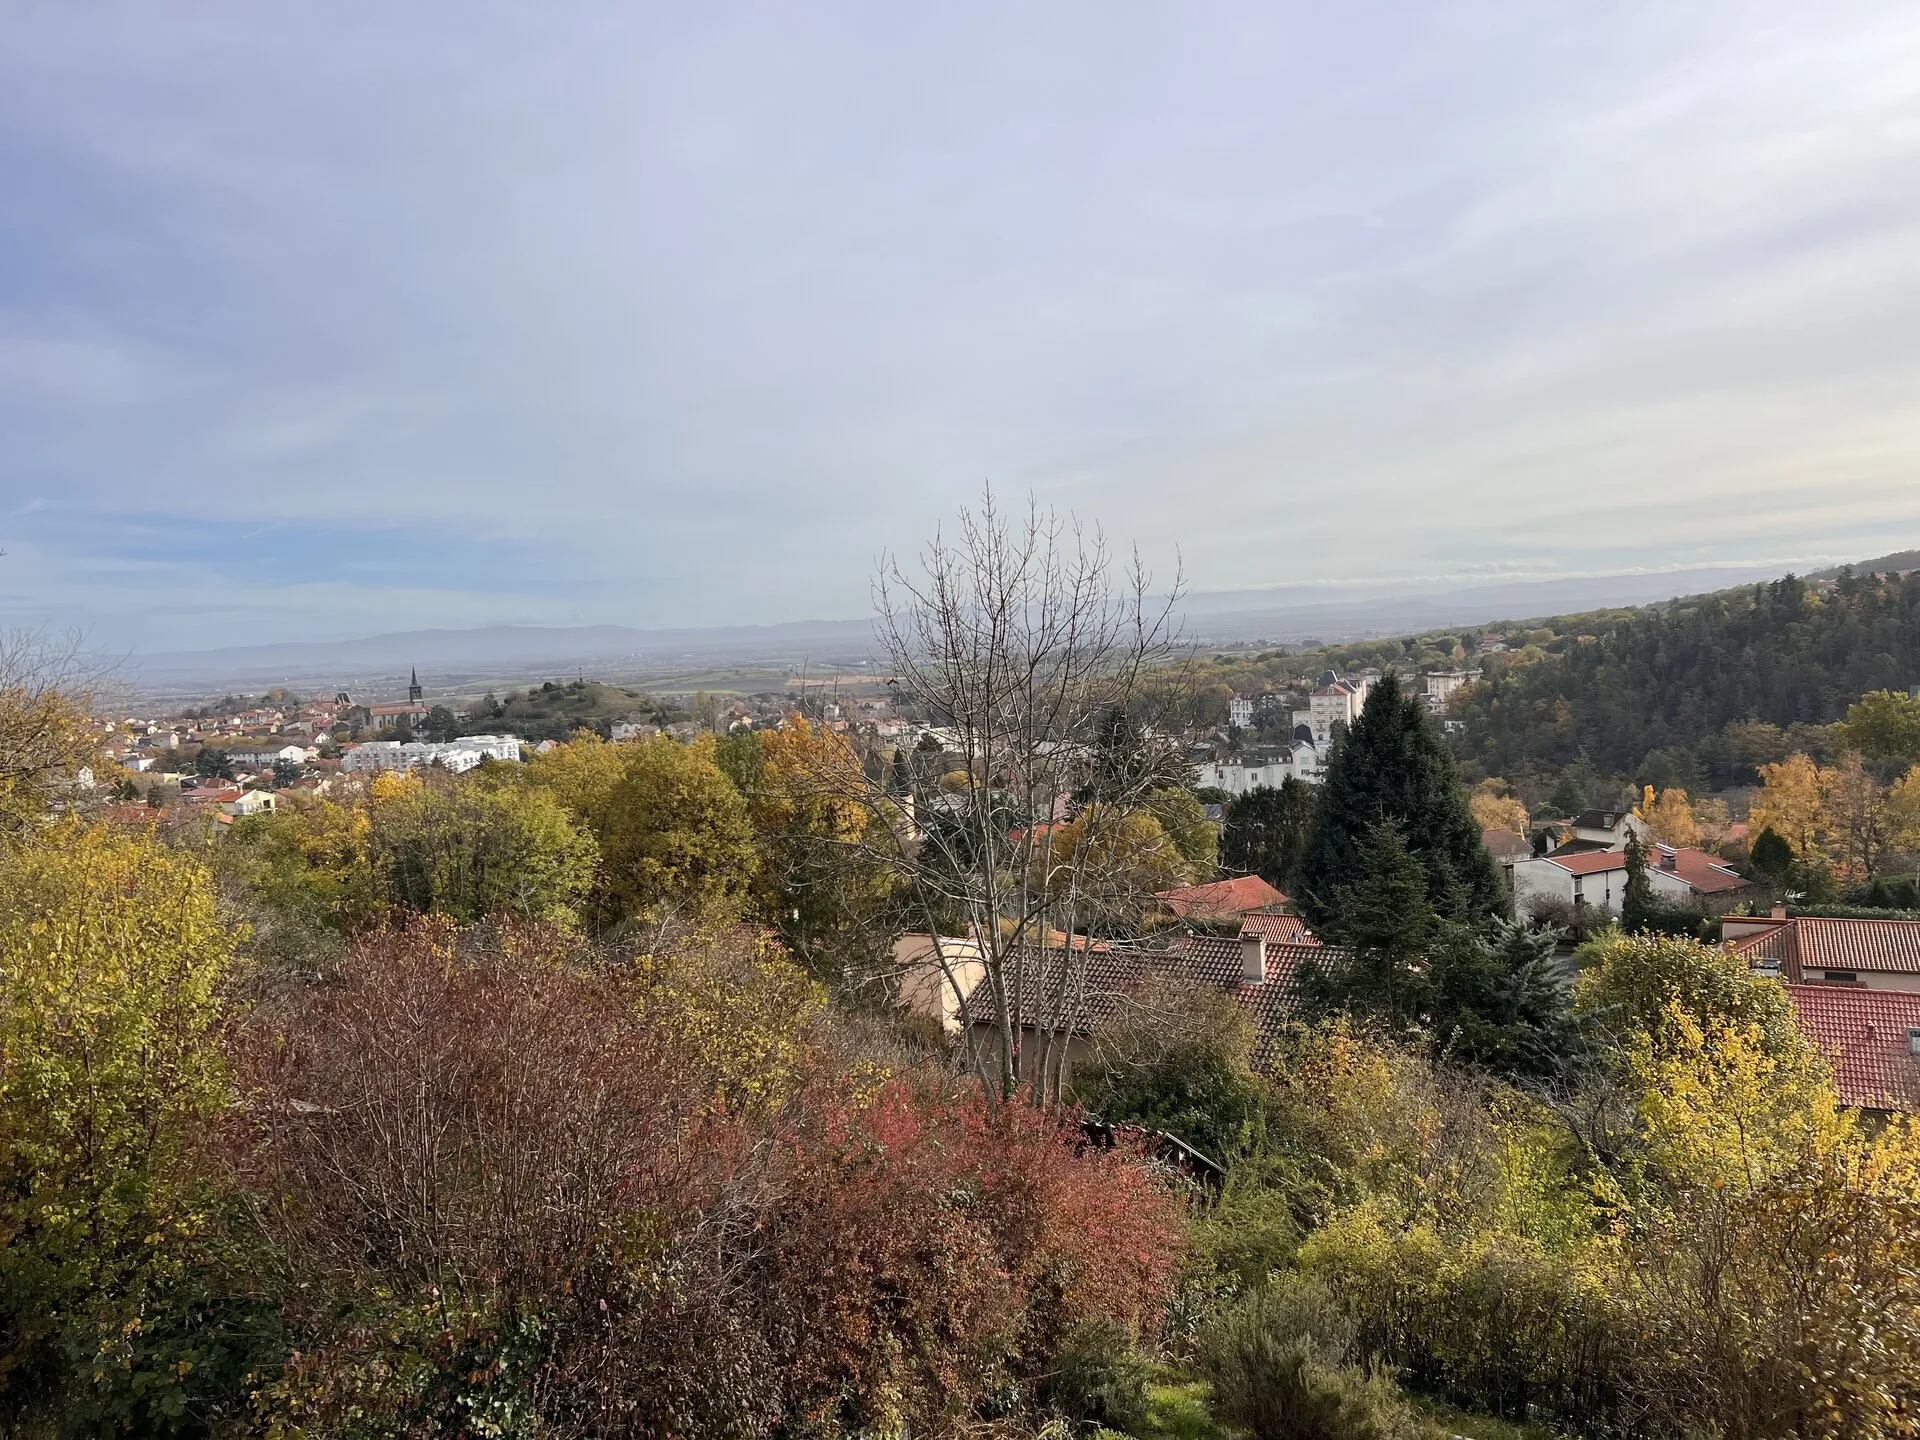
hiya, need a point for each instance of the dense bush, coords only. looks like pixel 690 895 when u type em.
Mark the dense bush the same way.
pixel 1100 1378
pixel 121 1304
pixel 510 1178
pixel 1280 1365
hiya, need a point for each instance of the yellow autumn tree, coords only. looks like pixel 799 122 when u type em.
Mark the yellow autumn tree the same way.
pixel 1776 1259
pixel 46 739
pixel 1903 810
pixel 457 846
pixel 677 837
pixel 1496 807
pixel 111 956
pixel 1670 816
pixel 673 830
pixel 581 775
pixel 1111 861
pixel 1712 820
pixel 1790 803
pixel 1854 819
pixel 823 878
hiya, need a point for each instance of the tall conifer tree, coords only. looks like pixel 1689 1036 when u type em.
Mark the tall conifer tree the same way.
pixel 1392 766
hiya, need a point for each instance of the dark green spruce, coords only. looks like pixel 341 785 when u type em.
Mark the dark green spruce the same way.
pixel 1392 766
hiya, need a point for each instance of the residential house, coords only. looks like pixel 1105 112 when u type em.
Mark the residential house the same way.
pixel 456 755
pixel 1605 830
pixel 1822 949
pixel 934 975
pixel 1240 711
pixel 1508 848
pixel 1301 761
pixel 249 802
pixel 1598 877
pixel 268 755
pixel 1262 974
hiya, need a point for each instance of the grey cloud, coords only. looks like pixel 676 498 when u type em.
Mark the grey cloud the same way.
pixel 721 302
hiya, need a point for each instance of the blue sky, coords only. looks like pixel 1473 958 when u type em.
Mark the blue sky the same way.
pixel 321 320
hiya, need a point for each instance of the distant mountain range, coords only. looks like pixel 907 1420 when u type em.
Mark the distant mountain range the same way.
pixel 492 648
pixel 1280 615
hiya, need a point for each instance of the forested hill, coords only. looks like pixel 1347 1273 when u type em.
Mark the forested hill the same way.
pixel 1673 688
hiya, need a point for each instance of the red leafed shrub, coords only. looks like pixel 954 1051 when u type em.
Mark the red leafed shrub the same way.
pixel 512 1194
pixel 929 1252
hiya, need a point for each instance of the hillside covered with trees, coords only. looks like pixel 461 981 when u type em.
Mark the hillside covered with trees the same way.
pixel 1698 693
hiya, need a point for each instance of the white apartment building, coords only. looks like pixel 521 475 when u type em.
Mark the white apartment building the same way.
pixel 455 755
pixel 1240 711
pixel 1302 762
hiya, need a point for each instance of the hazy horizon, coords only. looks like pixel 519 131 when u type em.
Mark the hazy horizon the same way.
pixel 316 325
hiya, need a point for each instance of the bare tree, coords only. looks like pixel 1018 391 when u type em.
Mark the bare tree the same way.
pixel 1052 671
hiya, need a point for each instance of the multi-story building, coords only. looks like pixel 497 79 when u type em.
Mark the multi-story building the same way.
pixel 1334 704
pixel 1442 685
pixel 456 755
pixel 1302 761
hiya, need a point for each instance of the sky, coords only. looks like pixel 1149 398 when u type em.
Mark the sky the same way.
pixel 321 320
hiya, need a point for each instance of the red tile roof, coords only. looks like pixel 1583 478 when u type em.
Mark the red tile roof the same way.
pixel 1705 874
pixel 1221 898
pixel 1590 862
pixel 1823 942
pixel 1864 1033
pixel 1700 870
pixel 1214 960
pixel 1279 929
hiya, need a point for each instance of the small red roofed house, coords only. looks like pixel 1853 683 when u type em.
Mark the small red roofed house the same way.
pixel 1823 949
pixel 1598 878
pixel 1222 899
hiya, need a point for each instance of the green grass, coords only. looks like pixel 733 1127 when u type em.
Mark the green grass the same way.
pixel 1477 1427
pixel 1178 1410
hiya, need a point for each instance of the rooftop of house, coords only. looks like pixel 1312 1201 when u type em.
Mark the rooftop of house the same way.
pixel 1599 819
pixel 1585 861
pixel 1111 977
pixel 1705 874
pixel 1221 898
pixel 1506 844
pixel 1279 928
pixel 1822 942
pixel 1868 1036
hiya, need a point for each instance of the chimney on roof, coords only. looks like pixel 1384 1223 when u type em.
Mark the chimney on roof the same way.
pixel 1253 957
pixel 1669 859
pixel 1780 912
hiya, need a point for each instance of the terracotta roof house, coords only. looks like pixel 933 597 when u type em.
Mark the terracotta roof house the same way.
pixel 1871 1037
pixel 1599 878
pixel 934 975
pixel 1809 949
pixel 1262 975
pixel 1222 899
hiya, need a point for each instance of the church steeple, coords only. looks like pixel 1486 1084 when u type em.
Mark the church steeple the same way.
pixel 413 686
